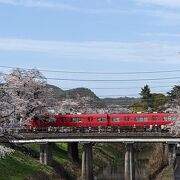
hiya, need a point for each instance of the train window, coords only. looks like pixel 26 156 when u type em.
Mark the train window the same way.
pixel 115 119
pixel 90 119
pixel 154 118
pixel 101 119
pixel 76 119
pixel 63 120
pixel 169 118
pixel 126 118
pixel 79 119
pixel 145 118
pixel 141 119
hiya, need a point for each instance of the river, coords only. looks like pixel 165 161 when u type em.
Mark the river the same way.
pixel 116 172
pixel 177 171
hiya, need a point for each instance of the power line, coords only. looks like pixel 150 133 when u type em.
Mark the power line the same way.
pixel 106 80
pixel 94 88
pixel 95 72
pixel 112 80
pixel 117 88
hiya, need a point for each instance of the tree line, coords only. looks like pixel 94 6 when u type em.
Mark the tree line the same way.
pixel 150 102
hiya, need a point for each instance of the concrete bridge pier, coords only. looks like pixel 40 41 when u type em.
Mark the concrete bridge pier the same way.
pixel 87 162
pixel 46 153
pixel 73 152
pixel 172 154
pixel 129 162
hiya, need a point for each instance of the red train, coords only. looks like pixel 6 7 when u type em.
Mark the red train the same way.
pixel 90 122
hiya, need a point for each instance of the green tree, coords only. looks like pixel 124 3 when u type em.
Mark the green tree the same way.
pixel 149 101
pixel 145 92
pixel 139 106
pixel 146 97
pixel 158 101
pixel 174 94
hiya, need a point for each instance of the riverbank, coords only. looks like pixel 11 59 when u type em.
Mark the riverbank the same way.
pixel 108 161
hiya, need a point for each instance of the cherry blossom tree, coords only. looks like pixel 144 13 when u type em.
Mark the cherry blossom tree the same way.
pixel 175 127
pixel 25 94
pixel 5 151
pixel 4 105
pixel 174 108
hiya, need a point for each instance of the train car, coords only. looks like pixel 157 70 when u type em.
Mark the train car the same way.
pixel 140 120
pixel 112 122
pixel 70 121
pixel 82 120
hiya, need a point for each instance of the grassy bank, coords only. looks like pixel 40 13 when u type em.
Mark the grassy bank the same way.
pixel 166 174
pixel 19 166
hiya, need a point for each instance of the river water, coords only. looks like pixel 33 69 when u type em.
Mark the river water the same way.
pixel 111 173
pixel 177 171
pixel 116 172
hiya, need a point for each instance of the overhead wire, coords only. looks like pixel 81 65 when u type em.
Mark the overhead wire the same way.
pixel 110 80
pixel 102 88
pixel 94 72
pixel 113 80
pixel 119 88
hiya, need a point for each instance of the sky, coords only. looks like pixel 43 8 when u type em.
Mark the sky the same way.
pixel 131 42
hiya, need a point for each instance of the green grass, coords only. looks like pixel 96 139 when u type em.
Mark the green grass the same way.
pixel 106 154
pixel 166 174
pixel 34 147
pixel 18 166
pixel 69 170
pixel 60 153
pixel 61 163
pixel 63 146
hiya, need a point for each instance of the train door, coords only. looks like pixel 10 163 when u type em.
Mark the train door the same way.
pixel 90 120
pixel 126 120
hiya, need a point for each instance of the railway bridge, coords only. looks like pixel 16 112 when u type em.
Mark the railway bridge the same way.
pixel 88 139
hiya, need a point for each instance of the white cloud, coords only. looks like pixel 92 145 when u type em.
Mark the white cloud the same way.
pixel 98 50
pixel 167 17
pixel 39 3
pixel 166 3
pixel 109 2
pixel 168 35
pixel 61 6
pixel 166 12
